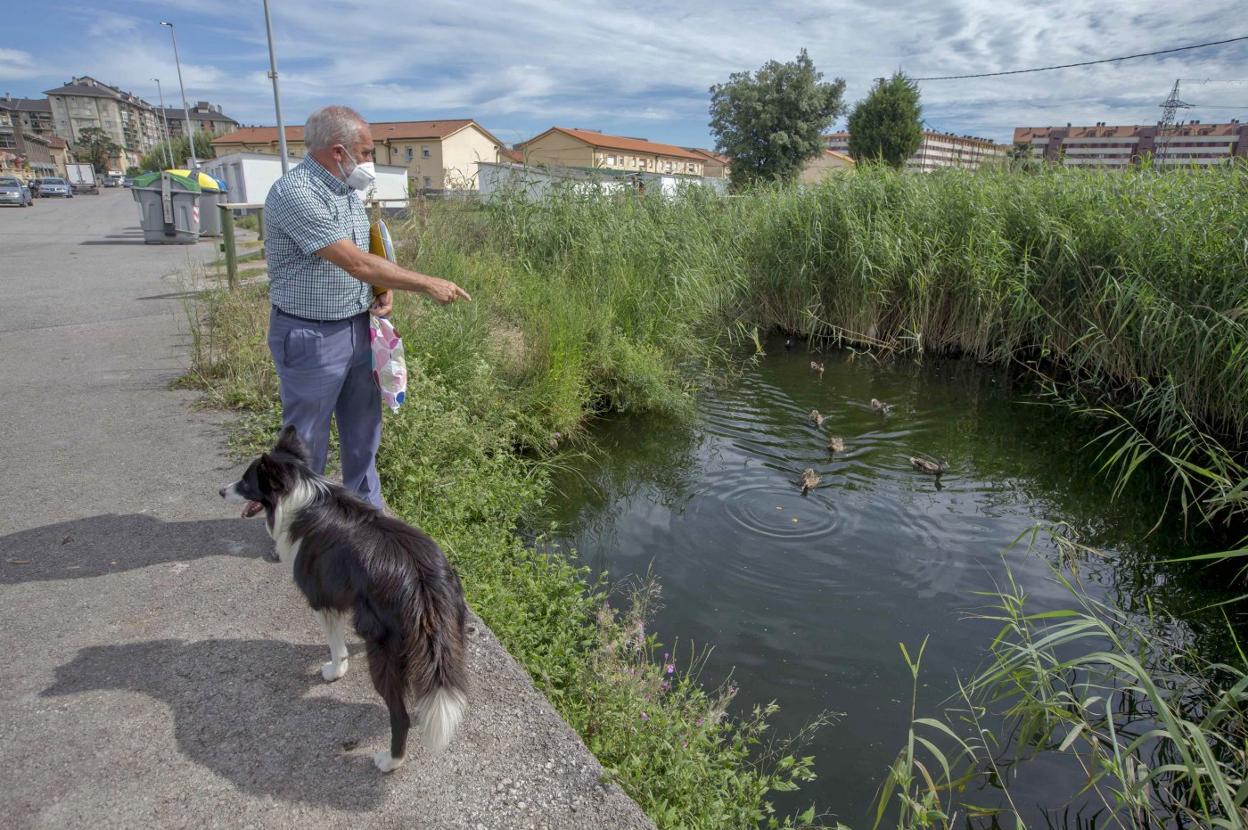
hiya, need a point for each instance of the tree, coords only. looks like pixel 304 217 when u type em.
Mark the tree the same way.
pixel 771 122
pixel 97 147
pixel 1020 157
pixel 155 158
pixel 885 127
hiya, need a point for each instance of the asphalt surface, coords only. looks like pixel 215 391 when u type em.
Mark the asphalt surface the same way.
pixel 159 672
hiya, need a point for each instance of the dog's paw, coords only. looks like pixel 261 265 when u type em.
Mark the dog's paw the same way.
pixel 385 763
pixel 331 671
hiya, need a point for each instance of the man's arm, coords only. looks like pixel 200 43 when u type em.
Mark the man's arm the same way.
pixel 383 273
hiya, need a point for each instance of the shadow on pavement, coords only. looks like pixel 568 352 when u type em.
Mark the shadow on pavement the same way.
pixel 112 242
pixel 241 708
pixel 111 543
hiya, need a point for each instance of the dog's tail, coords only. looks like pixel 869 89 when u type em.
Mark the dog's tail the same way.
pixel 436 671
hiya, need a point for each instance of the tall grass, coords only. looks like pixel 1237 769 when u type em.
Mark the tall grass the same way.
pixel 1127 290
pixel 1159 730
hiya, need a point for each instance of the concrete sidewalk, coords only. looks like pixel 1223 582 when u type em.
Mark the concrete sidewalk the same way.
pixel 159 672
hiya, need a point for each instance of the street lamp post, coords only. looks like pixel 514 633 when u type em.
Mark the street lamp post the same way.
pixel 186 109
pixel 165 118
pixel 277 98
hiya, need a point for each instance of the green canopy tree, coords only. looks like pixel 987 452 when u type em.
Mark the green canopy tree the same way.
pixel 97 147
pixel 886 126
pixel 772 121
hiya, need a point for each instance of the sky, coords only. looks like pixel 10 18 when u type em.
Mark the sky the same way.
pixel 639 69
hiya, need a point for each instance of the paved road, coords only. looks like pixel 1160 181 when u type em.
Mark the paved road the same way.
pixel 158 672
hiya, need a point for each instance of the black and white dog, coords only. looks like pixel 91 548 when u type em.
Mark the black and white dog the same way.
pixel 349 559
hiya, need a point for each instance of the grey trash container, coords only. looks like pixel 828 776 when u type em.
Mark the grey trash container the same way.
pixel 210 196
pixel 169 208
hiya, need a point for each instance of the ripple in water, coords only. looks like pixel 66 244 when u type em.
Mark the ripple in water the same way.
pixel 774 508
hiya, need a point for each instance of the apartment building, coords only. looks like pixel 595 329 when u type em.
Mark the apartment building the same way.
pixel 205 117
pixel 86 102
pixel 714 165
pixel 1118 146
pixel 562 147
pixel 439 155
pixel 939 150
pixel 21 149
pixel 35 114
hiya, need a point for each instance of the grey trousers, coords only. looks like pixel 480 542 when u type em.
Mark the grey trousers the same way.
pixel 325 369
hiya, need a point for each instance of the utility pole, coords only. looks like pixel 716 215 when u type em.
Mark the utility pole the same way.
pixel 1168 125
pixel 277 97
pixel 186 109
pixel 165 118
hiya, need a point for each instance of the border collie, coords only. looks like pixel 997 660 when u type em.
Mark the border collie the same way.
pixel 404 597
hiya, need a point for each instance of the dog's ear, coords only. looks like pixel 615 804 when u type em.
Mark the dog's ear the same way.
pixel 270 476
pixel 288 441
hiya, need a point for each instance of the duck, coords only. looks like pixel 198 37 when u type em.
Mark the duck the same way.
pixel 816 418
pixel 809 480
pixel 836 444
pixel 816 366
pixel 928 466
pixel 788 343
pixel 880 406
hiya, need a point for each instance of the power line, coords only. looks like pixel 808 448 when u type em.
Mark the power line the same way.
pixel 1083 63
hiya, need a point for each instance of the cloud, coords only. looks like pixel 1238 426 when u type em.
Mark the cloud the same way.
pixel 16 65
pixel 108 24
pixel 645 67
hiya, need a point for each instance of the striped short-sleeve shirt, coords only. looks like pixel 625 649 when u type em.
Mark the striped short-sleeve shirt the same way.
pixel 307 209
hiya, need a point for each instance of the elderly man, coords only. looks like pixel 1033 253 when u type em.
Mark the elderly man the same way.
pixel 321 280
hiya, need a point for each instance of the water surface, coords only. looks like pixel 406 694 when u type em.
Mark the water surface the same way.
pixel 806 597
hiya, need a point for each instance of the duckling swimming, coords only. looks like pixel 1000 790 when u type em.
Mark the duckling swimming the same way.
pixel 816 366
pixel 928 466
pixel 816 418
pixel 809 480
pixel 836 444
pixel 880 406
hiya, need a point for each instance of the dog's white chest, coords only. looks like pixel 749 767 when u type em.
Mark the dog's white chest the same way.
pixel 287 546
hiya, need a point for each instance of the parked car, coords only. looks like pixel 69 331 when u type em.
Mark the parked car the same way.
pixel 127 181
pixel 13 191
pixel 113 178
pixel 55 186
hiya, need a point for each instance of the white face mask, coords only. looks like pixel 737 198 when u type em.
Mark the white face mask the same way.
pixel 361 176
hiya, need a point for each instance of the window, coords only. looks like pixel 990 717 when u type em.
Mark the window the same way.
pixel 428 182
pixel 611 160
pixel 409 153
pixel 424 153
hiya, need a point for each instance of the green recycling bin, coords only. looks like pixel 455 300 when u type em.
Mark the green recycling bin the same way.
pixel 168 208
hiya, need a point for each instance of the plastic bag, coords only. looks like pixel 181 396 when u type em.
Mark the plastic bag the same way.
pixel 389 366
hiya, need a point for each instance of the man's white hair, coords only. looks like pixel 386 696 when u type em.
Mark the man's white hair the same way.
pixel 332 125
